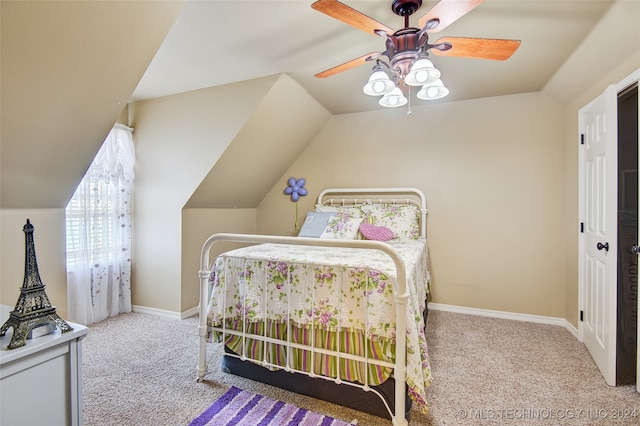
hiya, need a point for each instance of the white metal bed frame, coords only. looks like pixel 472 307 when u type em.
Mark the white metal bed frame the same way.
pixel 400 293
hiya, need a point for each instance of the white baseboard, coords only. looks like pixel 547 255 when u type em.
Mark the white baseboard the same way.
pixel 164 313
pixel 190 312
pixel 562 322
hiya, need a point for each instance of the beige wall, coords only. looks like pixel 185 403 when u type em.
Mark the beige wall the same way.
pixel 540 278
pixel 498 173
pixel 178 139
pixel 197 226
pixel 49 241
pixel 492 170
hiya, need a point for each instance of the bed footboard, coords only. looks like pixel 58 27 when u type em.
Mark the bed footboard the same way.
pixel 400 297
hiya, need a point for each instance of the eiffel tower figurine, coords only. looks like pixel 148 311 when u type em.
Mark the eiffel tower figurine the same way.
pixel 33 307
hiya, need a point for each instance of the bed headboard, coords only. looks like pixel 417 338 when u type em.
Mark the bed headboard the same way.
pixel 360 196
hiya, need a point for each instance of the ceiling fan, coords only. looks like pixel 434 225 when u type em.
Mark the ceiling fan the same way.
pixel 407 49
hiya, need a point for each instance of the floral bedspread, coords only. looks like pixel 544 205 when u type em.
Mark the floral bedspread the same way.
pixel 328 288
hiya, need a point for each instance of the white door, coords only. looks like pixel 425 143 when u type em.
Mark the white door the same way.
pixel 598 237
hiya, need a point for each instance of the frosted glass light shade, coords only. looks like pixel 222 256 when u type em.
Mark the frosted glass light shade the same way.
pixel 395 98
pixel 379 84
pixel 435 90
pixel 422 72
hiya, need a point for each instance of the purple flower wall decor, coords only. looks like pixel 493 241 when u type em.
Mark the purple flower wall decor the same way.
pixel 296 190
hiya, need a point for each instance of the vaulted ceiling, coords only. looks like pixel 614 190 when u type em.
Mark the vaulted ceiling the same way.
pixel 218 42
pixel 68 69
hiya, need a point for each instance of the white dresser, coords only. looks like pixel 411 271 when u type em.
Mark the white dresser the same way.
pixel 41 382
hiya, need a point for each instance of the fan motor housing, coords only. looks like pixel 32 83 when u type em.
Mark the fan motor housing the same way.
pixel 405 7
pixel 403 47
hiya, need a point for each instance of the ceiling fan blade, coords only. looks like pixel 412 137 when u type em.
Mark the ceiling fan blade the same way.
pixel 478 48
pixel 348 65
pixel 447 12
pixel 348 15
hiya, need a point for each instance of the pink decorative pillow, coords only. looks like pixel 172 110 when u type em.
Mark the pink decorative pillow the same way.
pixel 377 233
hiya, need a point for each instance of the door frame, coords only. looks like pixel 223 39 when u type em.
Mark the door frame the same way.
pixel 623 84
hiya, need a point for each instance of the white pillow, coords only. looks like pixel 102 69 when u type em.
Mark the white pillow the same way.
pixel 402 219
pixel 341 227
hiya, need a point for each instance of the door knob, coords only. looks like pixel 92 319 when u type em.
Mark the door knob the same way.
pixel 604 246
pixel 635 249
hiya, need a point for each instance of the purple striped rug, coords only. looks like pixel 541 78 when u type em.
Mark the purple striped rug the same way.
pixel 238 407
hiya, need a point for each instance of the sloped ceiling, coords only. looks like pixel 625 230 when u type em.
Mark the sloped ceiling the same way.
pixel 68 69
pixel 220 42
pixel 275 135
pixel 611 42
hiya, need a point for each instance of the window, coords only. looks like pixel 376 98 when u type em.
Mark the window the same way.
pixel 98 231
pixel 91 206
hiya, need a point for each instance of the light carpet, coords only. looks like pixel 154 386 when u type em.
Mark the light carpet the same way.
pixel 140 370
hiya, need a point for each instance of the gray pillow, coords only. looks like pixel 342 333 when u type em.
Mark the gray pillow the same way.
pixel 315 223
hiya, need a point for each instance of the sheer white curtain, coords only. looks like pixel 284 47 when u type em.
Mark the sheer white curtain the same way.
pixel 98 221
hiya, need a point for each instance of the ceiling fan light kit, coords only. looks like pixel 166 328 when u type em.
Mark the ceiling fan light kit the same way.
pixel 394 98
pixel 422 73
pixel 379 83
pixel 407 49
pixel 433 91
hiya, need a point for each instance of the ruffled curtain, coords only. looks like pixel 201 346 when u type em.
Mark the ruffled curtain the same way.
pixel 98 221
